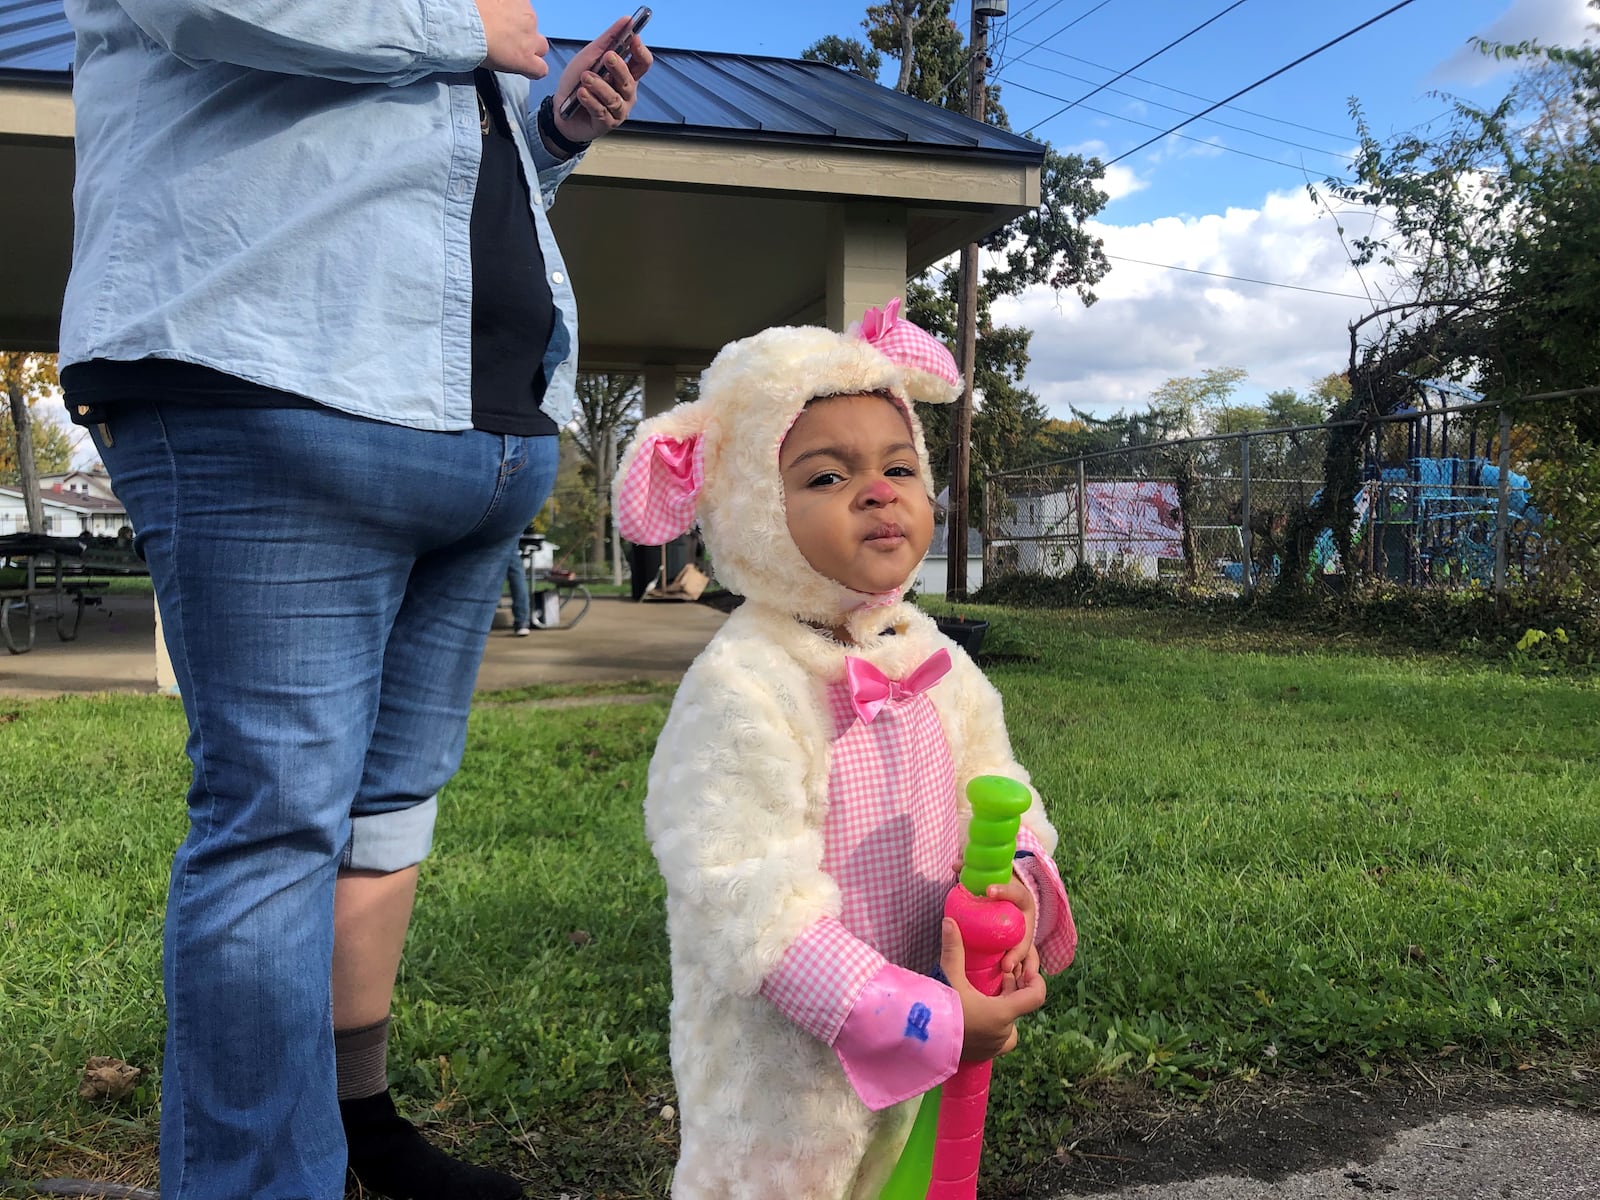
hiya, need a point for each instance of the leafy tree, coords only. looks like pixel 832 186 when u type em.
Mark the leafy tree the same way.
pixel 1007 423
pixel 29 445
pixel 570 516
pixel 1287 407
pixel 1192 406
pixel 923 40
pixel 850 53
pixel 609 408
pixel 1494 227
pixel 1048 246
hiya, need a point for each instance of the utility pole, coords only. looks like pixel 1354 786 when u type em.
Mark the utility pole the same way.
pixel 967 321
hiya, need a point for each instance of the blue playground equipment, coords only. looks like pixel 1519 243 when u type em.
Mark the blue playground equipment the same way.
pixel 1433 520
pixel 1428 506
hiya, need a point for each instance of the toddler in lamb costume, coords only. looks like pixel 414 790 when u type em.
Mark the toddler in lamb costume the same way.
pixel 806 800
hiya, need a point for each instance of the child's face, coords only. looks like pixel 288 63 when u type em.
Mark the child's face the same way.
pixel 856 507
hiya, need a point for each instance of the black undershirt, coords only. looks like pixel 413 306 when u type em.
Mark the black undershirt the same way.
pixel 513 314
pixel 513 311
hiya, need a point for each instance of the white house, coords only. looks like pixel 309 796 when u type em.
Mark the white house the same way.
pixel 92 481
pixel 1131 523
pixel 68 511
pixel 934 574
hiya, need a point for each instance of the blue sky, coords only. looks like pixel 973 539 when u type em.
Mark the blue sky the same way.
pixel 1200 205
pixel 1301 119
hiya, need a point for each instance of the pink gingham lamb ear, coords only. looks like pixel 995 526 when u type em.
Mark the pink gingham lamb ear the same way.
pixel 931 374
pixel 656 498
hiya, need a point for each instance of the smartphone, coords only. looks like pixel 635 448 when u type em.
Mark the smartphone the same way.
pixel 641 18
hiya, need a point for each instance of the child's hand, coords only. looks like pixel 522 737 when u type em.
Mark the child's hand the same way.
pixel 989 1022
pixel 1022 956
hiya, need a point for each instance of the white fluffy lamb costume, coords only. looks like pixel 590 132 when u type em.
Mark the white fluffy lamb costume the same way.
pixel 738 806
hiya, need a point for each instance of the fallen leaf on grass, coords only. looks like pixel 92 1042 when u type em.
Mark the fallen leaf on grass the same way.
pixel 107 1080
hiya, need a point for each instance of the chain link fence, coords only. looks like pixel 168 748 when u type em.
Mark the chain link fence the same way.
pixel 1436 506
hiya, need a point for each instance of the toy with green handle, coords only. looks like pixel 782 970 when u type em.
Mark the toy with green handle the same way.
pixel 940 1159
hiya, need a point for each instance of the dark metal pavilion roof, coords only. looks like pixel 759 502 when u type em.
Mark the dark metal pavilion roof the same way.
pixel 690 93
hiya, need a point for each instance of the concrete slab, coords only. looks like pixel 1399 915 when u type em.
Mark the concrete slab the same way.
pixel 1512 1153
pixel 115 651
pixel 616 639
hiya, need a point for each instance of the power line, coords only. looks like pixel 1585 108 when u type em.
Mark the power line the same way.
pixel 1007 31
pixel 1249 112
pixel 1055 4
pixel 1176 109
pixel 1137 65
pixel 1278 162
pixel 1006 34
pixel 1081 17
pixel 1293 287
pixel 1265 79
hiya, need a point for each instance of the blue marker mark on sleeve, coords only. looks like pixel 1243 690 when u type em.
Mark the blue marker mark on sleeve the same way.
pixel 917 1022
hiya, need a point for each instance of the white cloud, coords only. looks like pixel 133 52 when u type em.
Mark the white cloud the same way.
pixel 1119 181
pixel 1153 323
pixel 1552 22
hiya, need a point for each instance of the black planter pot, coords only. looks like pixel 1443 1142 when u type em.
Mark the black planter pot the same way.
pixel 968 634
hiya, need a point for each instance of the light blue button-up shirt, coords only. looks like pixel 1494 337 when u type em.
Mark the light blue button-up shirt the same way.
pixel 282 190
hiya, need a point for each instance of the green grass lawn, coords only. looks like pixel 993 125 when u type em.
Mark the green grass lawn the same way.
pixel 1283 855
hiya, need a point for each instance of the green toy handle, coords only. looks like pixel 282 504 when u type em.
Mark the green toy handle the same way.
pixel 997 807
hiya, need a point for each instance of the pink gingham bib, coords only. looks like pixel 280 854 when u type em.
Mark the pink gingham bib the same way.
pixel 891 837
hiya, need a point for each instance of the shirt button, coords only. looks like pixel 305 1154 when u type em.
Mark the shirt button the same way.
pixel 557 277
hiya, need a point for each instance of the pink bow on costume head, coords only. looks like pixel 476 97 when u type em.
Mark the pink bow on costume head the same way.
pixel 909 345
pixel 656 500
pixel 871 689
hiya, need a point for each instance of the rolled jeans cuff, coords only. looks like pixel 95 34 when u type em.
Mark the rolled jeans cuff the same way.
pixel 390 841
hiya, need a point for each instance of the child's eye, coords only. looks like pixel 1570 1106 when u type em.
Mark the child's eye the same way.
pixel 824 479
pixel 901 471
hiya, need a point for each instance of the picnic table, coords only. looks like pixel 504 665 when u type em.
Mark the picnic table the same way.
pixel 45 579
pixel 558 598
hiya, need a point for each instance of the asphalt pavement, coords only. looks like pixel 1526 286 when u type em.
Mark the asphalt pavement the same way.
pixel 1512 1153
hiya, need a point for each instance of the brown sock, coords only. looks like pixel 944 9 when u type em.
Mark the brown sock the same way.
pixel 361 1059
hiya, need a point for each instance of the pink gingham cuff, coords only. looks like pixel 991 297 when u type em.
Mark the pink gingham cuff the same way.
pixel 903 1037
pixel 1055 933
pixel 820 976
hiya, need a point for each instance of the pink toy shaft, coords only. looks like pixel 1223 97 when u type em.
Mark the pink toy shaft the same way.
pixel 988 929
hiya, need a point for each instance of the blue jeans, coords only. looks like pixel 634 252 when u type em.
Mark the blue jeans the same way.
pixel 517 577
pixel 326 585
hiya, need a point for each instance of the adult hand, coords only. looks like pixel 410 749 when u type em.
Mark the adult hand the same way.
pixel 516 46
pixel 989 1023
pixel 604 101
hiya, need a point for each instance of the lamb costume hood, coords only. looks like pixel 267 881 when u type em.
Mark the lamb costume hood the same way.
pixel 805 836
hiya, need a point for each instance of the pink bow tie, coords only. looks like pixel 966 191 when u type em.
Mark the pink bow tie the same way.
pixel 871 689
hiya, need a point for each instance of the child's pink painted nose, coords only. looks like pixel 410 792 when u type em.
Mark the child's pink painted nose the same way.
pixel 878 491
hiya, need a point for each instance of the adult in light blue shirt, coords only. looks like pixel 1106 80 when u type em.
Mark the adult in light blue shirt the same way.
pixel 323 336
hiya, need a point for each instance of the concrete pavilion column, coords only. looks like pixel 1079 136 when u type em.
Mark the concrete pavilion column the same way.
pixel 660 388
pixel 866 259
